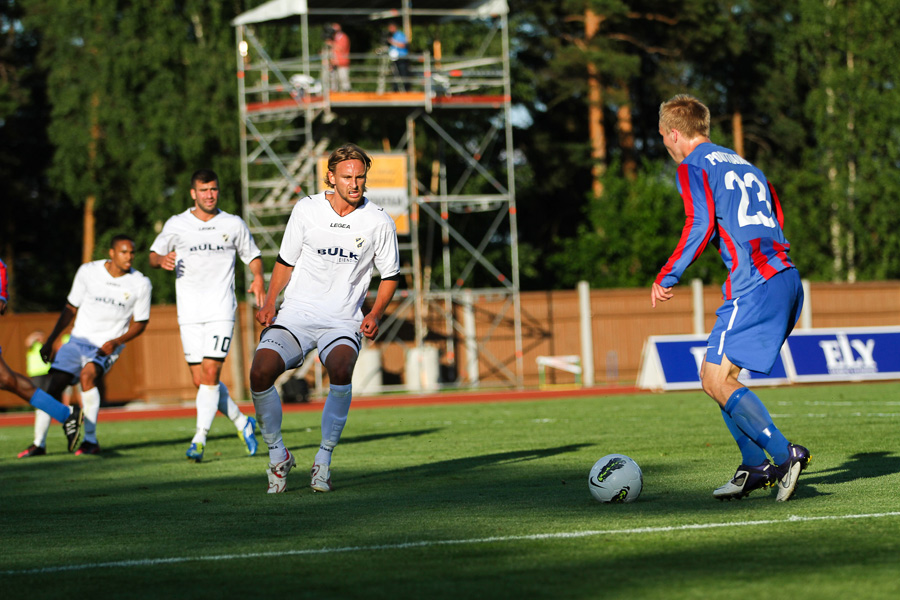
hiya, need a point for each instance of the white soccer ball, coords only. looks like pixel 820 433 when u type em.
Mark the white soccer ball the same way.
pixel 616 478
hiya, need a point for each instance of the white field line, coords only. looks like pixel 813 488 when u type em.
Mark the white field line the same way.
pixel 152 562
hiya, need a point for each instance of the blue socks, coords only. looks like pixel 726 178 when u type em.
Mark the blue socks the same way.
pixel 750 416
pixel 751 454
pixel 50 405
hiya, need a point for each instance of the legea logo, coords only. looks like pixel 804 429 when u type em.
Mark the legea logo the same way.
pixel 846 356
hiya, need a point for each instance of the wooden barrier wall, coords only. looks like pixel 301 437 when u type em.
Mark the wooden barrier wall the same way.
pixel 152 367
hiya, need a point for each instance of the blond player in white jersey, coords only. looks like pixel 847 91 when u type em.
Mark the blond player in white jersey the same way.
pixel 331 244
pixel 200 245
pixel 110 304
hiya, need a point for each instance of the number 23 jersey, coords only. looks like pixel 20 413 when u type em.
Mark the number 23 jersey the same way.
pixel 728 202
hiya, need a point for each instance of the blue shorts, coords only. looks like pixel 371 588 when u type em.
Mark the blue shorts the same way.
pixel 751 329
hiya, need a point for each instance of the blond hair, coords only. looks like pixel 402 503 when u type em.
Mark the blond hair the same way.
pixel 346 152
pixel 686 114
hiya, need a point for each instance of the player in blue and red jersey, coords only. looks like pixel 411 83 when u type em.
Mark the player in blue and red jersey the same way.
pixel 24 388
pixel 729 203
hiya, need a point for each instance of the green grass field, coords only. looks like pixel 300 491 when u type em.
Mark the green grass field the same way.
pixel 465 501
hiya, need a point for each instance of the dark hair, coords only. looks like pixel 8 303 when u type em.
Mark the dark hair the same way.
pixel 120 238
pixel 203 176
pixel 346 152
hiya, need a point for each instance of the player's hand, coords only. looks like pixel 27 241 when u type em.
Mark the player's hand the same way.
pixel 106 349
pixel 168 261
pixel 658 292
pixel 369 326
pixel 258 289
pixel 266 315
pixel 47 352
pixel 2 307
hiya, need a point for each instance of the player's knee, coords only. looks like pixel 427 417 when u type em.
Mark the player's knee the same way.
pixel 263 374
pixel 341 373
pixel 260 379
pixel 716 387
pixel 709 386
pixel 209 375
pixel 87 379
pixel 7 381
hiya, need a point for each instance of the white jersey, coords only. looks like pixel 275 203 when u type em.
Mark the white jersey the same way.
pixel 106 304
pixel 333 257
pixel 204 263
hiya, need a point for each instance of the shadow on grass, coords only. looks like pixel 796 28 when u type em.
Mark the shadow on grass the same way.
pixel 114 451
pixel 863 465
pixel 359 439
pixel 458 465
pixel 119 450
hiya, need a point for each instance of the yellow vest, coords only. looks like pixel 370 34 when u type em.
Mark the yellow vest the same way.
pixel 34 364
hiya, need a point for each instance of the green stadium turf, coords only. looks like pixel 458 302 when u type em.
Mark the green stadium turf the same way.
pixel 465 501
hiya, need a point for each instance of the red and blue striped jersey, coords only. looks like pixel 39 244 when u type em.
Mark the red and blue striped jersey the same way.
pixel 728 202
pixel 4 289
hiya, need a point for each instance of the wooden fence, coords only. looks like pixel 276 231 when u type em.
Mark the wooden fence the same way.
pixel 152 367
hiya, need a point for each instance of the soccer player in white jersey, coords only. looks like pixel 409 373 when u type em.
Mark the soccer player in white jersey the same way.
pixel 110 304
pixel 331 244
pixel 200 246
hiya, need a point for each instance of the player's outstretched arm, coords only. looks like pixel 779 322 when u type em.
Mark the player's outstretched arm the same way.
pixel 386 289
pixel 658 292
pixel 66 316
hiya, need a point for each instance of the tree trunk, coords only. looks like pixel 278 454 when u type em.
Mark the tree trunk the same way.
pixel 595 108
pixel 737 127
pixel 87 243
pixel 626 138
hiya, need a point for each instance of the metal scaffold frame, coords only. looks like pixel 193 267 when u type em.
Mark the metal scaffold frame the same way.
pixel 285 104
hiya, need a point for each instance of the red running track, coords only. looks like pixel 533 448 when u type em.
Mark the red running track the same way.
pixel 168 412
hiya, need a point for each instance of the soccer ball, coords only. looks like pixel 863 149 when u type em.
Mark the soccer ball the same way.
pixel 616 478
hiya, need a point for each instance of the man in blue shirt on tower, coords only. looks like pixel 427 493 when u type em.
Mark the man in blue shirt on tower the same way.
pixel 729 203
pixel 399 54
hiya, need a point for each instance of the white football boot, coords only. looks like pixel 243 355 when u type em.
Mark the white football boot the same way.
pixel 321 478
pixel 278 474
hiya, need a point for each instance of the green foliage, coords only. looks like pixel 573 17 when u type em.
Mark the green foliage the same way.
pixel 120 102
pixel 629 234
pixel 141 97
pixel 845 63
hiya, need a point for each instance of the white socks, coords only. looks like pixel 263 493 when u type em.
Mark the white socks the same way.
pixel 41 427
pixel 228 407
pixel 269 415
pixel 90 404
pixel 207 404
pixel 334 417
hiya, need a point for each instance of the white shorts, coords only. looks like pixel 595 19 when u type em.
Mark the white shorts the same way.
pixel 78 352
pixel 206 340
pixel 292 343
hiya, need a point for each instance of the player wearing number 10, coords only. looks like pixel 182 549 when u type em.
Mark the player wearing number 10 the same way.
pixel 200 245
pixel 729 203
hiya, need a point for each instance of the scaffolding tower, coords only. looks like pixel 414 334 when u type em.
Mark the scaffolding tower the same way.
pixel 456 211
